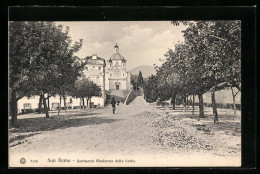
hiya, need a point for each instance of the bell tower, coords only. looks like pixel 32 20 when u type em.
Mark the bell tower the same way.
pixel 116 48
pixel 117 77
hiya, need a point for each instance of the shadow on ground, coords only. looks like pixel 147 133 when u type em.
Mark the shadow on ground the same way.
pixel 229 124
pixel 21 137
pixel 59 122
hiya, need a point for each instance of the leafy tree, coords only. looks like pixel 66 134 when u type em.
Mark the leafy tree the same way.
pixel 214 56
pixel 220 59
pixel 134 81
pixel 70 74
pixel 140 80
pixel 166 86
pixel 45 55
pixel 21 51
pixel 53 67
pixel 151 89
pixel 86 89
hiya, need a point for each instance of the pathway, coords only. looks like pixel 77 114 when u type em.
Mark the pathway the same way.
pixel 101 134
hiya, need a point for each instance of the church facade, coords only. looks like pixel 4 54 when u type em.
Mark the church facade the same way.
pixel 117 78
pixel 110 75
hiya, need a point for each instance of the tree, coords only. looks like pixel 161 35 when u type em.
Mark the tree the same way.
pixel 215 46
pixel 150 89
pixel 70 73
pixel 134 81
pixel 53 61
pixel 21 53
pixel 220 41
pixel 167 87
pixel 140 80
pixel 86 89
pixel 40 52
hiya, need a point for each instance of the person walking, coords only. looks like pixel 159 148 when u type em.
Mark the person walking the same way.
pixel 118 103
pixel 113 103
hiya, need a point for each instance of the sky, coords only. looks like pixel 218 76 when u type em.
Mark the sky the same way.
pixel 140 42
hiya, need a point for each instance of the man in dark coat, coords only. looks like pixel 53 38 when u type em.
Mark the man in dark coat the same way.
pixel 113 103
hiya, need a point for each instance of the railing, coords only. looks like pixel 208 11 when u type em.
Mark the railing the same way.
pixel 128 95
pixel 132 95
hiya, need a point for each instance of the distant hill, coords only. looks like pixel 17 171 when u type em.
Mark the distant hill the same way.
pixel 146 70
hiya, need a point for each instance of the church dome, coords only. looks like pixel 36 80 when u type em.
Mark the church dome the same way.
pixel 117 55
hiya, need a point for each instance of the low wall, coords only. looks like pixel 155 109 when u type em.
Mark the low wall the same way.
pixel 132 95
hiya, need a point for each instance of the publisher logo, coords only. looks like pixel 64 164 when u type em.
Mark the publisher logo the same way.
pixel 22 161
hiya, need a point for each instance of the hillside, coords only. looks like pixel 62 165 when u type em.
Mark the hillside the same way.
pixel 146 70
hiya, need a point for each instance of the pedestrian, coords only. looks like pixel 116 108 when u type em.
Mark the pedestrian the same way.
pixel 118 103
pixel 113 103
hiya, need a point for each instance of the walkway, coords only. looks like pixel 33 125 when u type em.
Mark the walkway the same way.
pixel 99 134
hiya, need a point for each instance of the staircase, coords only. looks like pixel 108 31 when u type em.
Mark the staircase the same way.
pixel 132 95
pixel 118 95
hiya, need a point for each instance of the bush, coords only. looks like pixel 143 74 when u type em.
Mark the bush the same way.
pixel 39 110
pixel 149 100
pixel 159 102
pixel 222 105
pixel 26 111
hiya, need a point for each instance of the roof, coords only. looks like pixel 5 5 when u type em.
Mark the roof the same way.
pixel 97 61
pixel 117 56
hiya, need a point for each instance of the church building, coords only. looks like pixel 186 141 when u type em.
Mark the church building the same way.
pixel 117 78
pixel 110 77
pixel 95 71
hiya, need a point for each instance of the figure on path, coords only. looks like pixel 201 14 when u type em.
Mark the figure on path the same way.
pixel 113 103
pixel 118 103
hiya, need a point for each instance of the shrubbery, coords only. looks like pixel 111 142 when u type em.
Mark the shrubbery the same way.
pixel 26 111
pixel 222 105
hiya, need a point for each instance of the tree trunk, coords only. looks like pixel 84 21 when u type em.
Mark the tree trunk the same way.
pixel 215 112
pixel 234 101
pixel 59 106
pixel 40 105
pixel 188 105
pixel 65 106
pixel 184 104
pixel 201 107
pixel 48 102
pixel 90 102
pixel 193 103
pixel 45 107
pixel 80 103
pixel 83 102
pixel 173 101
pixel 87 101
pixel 13 106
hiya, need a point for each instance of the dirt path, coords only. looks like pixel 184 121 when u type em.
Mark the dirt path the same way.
pixel 133 130
pixel 123 133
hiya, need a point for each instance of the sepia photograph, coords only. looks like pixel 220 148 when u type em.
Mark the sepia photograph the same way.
pixel 124 93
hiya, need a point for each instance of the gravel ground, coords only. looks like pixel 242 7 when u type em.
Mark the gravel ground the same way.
pixel 136 129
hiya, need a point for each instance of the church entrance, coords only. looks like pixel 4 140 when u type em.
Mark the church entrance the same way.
pixel 117 87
